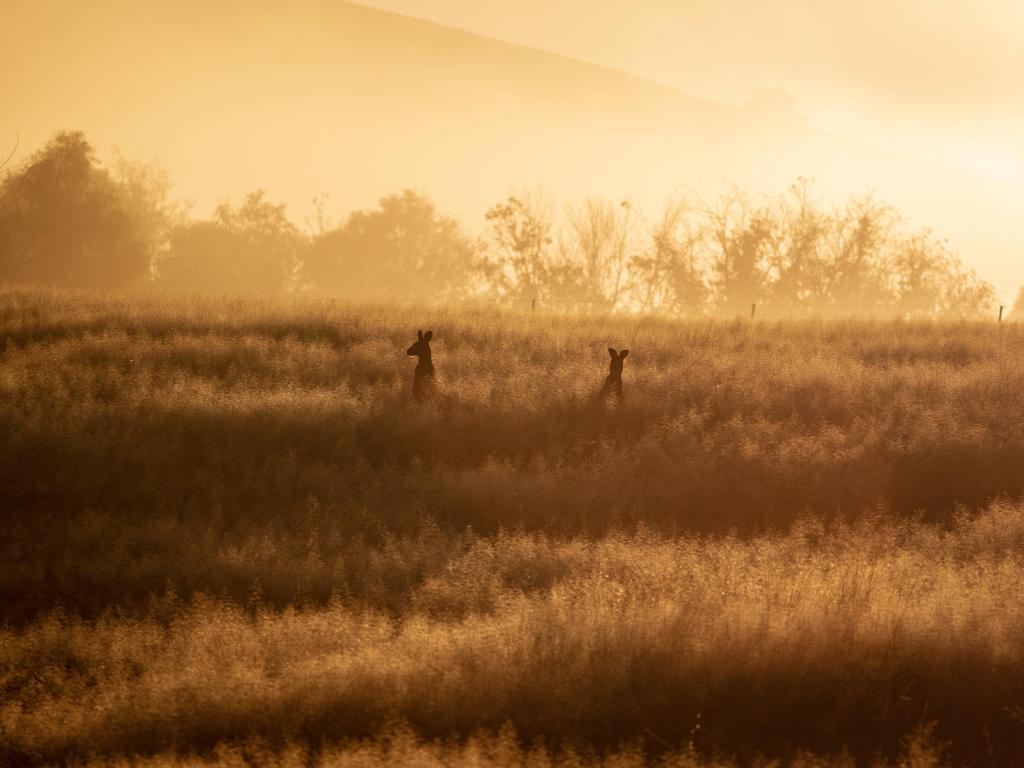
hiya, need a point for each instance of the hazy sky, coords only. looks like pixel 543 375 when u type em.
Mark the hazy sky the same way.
pixel 940 78
pixel 316 96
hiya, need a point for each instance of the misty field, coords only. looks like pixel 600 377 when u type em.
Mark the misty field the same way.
pixel 229 536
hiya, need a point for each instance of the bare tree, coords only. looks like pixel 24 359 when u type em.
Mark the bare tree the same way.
pixel 603 238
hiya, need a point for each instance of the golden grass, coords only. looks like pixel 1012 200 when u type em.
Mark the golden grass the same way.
pixel 229 536
pixel 727 424
pixel 822 640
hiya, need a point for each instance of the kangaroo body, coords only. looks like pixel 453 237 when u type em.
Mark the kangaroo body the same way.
pixel 423 376
pixel 612 389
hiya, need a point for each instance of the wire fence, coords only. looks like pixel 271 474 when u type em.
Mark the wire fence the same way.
pixel 753 310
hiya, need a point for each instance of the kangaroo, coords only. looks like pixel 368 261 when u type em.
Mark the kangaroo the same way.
pixel 423 378
pixel 612 389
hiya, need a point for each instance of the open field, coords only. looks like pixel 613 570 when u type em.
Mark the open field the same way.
pixel 227 532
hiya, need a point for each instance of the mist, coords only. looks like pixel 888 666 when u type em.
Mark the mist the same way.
pixel 551 384
pixel 917 105
pixel 878 66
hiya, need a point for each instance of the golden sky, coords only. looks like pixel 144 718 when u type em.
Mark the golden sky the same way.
pixel 936 77
pixel 317 96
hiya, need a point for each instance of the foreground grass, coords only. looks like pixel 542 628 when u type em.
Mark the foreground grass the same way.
pixel 217 444
pixel 850 640
pixel 400 747
pixel 227 536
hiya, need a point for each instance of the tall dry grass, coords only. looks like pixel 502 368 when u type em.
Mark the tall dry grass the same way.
pixel 144 439
pixel 848 640
pixel 135 403
pixel 226 531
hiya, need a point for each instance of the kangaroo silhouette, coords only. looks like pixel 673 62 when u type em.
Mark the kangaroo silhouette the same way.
pixel 612 389
pixel 423 377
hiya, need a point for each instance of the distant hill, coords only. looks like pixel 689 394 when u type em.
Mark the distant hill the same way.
pixel 335 97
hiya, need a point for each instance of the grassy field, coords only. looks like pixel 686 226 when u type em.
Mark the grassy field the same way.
pixel 229 536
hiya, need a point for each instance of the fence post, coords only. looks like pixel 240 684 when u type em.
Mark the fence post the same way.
pixel 1000 313
pixel 533 305
pixel 753 310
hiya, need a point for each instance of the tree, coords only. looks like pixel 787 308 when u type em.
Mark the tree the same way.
pixel 799 260
pixel 602 238
pixel 145 196
pixel 744 239
pixel 249 249
pixel 859 242
pixel 931 280
pixel 667 274
pixel 965 293
pixel 402 250
pixel 517 259
pixel 64 221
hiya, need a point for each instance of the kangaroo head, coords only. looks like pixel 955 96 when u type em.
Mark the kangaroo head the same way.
pixel 615 368
pixel 421 347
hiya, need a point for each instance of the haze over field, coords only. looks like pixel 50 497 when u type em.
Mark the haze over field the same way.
pixel 917 103
pixel 937 80
pixel 461 382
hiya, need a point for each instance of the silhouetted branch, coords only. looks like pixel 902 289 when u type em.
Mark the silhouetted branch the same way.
pixel 17 142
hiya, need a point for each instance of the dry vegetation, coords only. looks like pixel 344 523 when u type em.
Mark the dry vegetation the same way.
pixel 228 536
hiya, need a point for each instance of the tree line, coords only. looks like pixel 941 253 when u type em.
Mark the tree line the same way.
pixel 67 219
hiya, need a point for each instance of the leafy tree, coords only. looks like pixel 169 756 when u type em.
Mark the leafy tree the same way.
pixel 918 266
pixel 667 274
pixel 800 263
pixel 842 257
pixel 145 196
pixel 931 280
pixel 965 293
pixel 517 260
pixel 249 249
pixel 64 221
pixel 858 241
pixel 402 250
pixel 744 239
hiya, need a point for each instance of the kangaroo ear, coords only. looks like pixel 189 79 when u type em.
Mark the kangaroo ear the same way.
pixel 419 335
pixel 623 353
pixel 613 353
pixel 428 335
